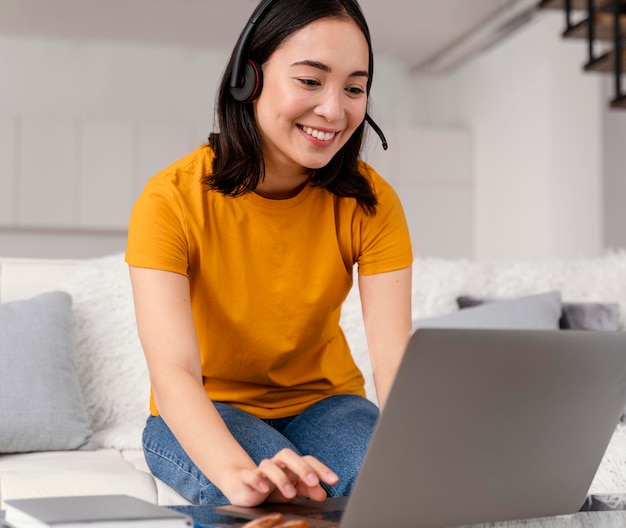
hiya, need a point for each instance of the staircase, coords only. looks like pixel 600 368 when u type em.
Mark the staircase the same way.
pixel 602 23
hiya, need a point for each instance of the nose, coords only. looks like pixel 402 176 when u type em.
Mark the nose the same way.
pixel 331 105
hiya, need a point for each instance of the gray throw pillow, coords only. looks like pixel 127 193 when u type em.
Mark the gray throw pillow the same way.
pixel 575 315
pixel 534 312
pixel 590 316
pixel 41 406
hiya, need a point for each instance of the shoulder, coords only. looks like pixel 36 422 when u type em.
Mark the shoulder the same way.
pixel 385 194
pixel 176 192
pixel 187 171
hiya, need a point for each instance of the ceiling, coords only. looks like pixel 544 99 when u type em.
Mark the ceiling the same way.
pixel 428 36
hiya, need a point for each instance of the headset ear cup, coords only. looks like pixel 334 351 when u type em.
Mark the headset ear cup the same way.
pixel 252 83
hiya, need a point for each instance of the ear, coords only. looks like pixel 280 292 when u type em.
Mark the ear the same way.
pixel 252 84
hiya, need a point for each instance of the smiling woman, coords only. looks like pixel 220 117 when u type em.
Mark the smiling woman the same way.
pixel 241 256
pixel 310 107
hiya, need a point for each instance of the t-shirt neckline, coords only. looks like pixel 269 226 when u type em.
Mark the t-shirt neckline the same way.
pixel 287 203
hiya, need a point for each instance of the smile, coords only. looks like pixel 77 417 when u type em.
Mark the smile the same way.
pixel 318 134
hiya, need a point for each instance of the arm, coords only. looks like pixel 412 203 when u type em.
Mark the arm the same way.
pixel 386 304
pixel 168 336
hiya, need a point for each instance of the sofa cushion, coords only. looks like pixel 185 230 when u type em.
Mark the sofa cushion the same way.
pixel 109 358
pixel 575 315
pixel 590 316
pixel 537 312
pixel 41 404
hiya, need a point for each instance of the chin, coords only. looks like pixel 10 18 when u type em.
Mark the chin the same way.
pixel 315 166
pixel 318 163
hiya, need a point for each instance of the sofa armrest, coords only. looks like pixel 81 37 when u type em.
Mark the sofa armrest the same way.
pixel 22 278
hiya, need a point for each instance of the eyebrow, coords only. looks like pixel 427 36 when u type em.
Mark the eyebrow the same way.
pixel 325 68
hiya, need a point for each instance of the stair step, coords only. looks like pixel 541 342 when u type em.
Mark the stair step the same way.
pixel 619 102
pixel 603 27
pixel 606 63
pixel 577 5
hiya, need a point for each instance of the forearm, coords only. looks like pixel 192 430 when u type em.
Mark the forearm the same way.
pixel 167 332
pixel 386 302
pixel 385 358
pixel 196 423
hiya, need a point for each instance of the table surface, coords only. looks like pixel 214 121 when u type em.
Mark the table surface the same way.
pixel 579 520
pixel 205 517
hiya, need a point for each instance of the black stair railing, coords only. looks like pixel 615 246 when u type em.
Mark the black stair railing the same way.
pixel 591 30
pixel 568 15
pixel 618 45
pixel 597 11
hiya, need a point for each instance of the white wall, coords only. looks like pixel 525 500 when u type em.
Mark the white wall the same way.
pixel 614 150
pixel 536 125
pixel 84 124
pixel 430 170
pixel 503 158
pixel 429 167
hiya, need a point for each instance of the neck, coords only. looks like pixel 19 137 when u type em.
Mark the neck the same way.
pixel 282 184
pixel 276 191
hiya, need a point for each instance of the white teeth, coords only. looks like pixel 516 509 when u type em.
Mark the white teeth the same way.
pixel 318 134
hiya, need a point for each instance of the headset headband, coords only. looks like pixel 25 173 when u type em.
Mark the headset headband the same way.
pixel 241 49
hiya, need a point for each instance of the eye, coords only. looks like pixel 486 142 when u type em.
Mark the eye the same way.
pixel 309 82
pixel 355 91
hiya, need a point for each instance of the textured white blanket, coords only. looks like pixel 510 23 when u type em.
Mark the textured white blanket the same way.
pixel 580 520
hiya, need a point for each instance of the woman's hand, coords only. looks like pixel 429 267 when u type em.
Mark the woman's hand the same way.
pixel 282 478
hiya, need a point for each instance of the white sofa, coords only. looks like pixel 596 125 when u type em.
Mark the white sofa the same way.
pixel 113 378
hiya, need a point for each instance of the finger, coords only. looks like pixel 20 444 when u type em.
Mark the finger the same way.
pixel 303 490
pixel 255 480
pixel 324 473
pixel 316 493
pixel 267 521
pixel 275 472
pixel 307 468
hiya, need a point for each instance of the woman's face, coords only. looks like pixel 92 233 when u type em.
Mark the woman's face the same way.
pixel 314 95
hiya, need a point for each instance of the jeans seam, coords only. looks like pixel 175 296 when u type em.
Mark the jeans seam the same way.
pixel 184 468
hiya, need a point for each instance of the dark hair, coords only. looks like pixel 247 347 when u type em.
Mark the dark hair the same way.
pixel 238 164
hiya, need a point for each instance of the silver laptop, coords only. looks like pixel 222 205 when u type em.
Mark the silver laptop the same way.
pixel 483 426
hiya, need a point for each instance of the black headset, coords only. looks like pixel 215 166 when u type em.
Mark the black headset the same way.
pixel 246 80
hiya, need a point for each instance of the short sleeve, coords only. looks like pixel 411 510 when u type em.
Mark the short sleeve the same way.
pixel 157 234
pixel 385 242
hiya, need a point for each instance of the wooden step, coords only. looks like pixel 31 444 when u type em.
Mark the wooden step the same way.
pixel 606 63
pixel 577 5
pixel 603 27
pixel 619 102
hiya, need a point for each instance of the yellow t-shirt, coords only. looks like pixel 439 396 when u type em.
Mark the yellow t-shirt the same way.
pixel 267 280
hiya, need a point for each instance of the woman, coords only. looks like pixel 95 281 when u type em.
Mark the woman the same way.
pixel 241 255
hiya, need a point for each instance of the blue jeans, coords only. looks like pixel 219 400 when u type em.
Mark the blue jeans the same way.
pixel 335 430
